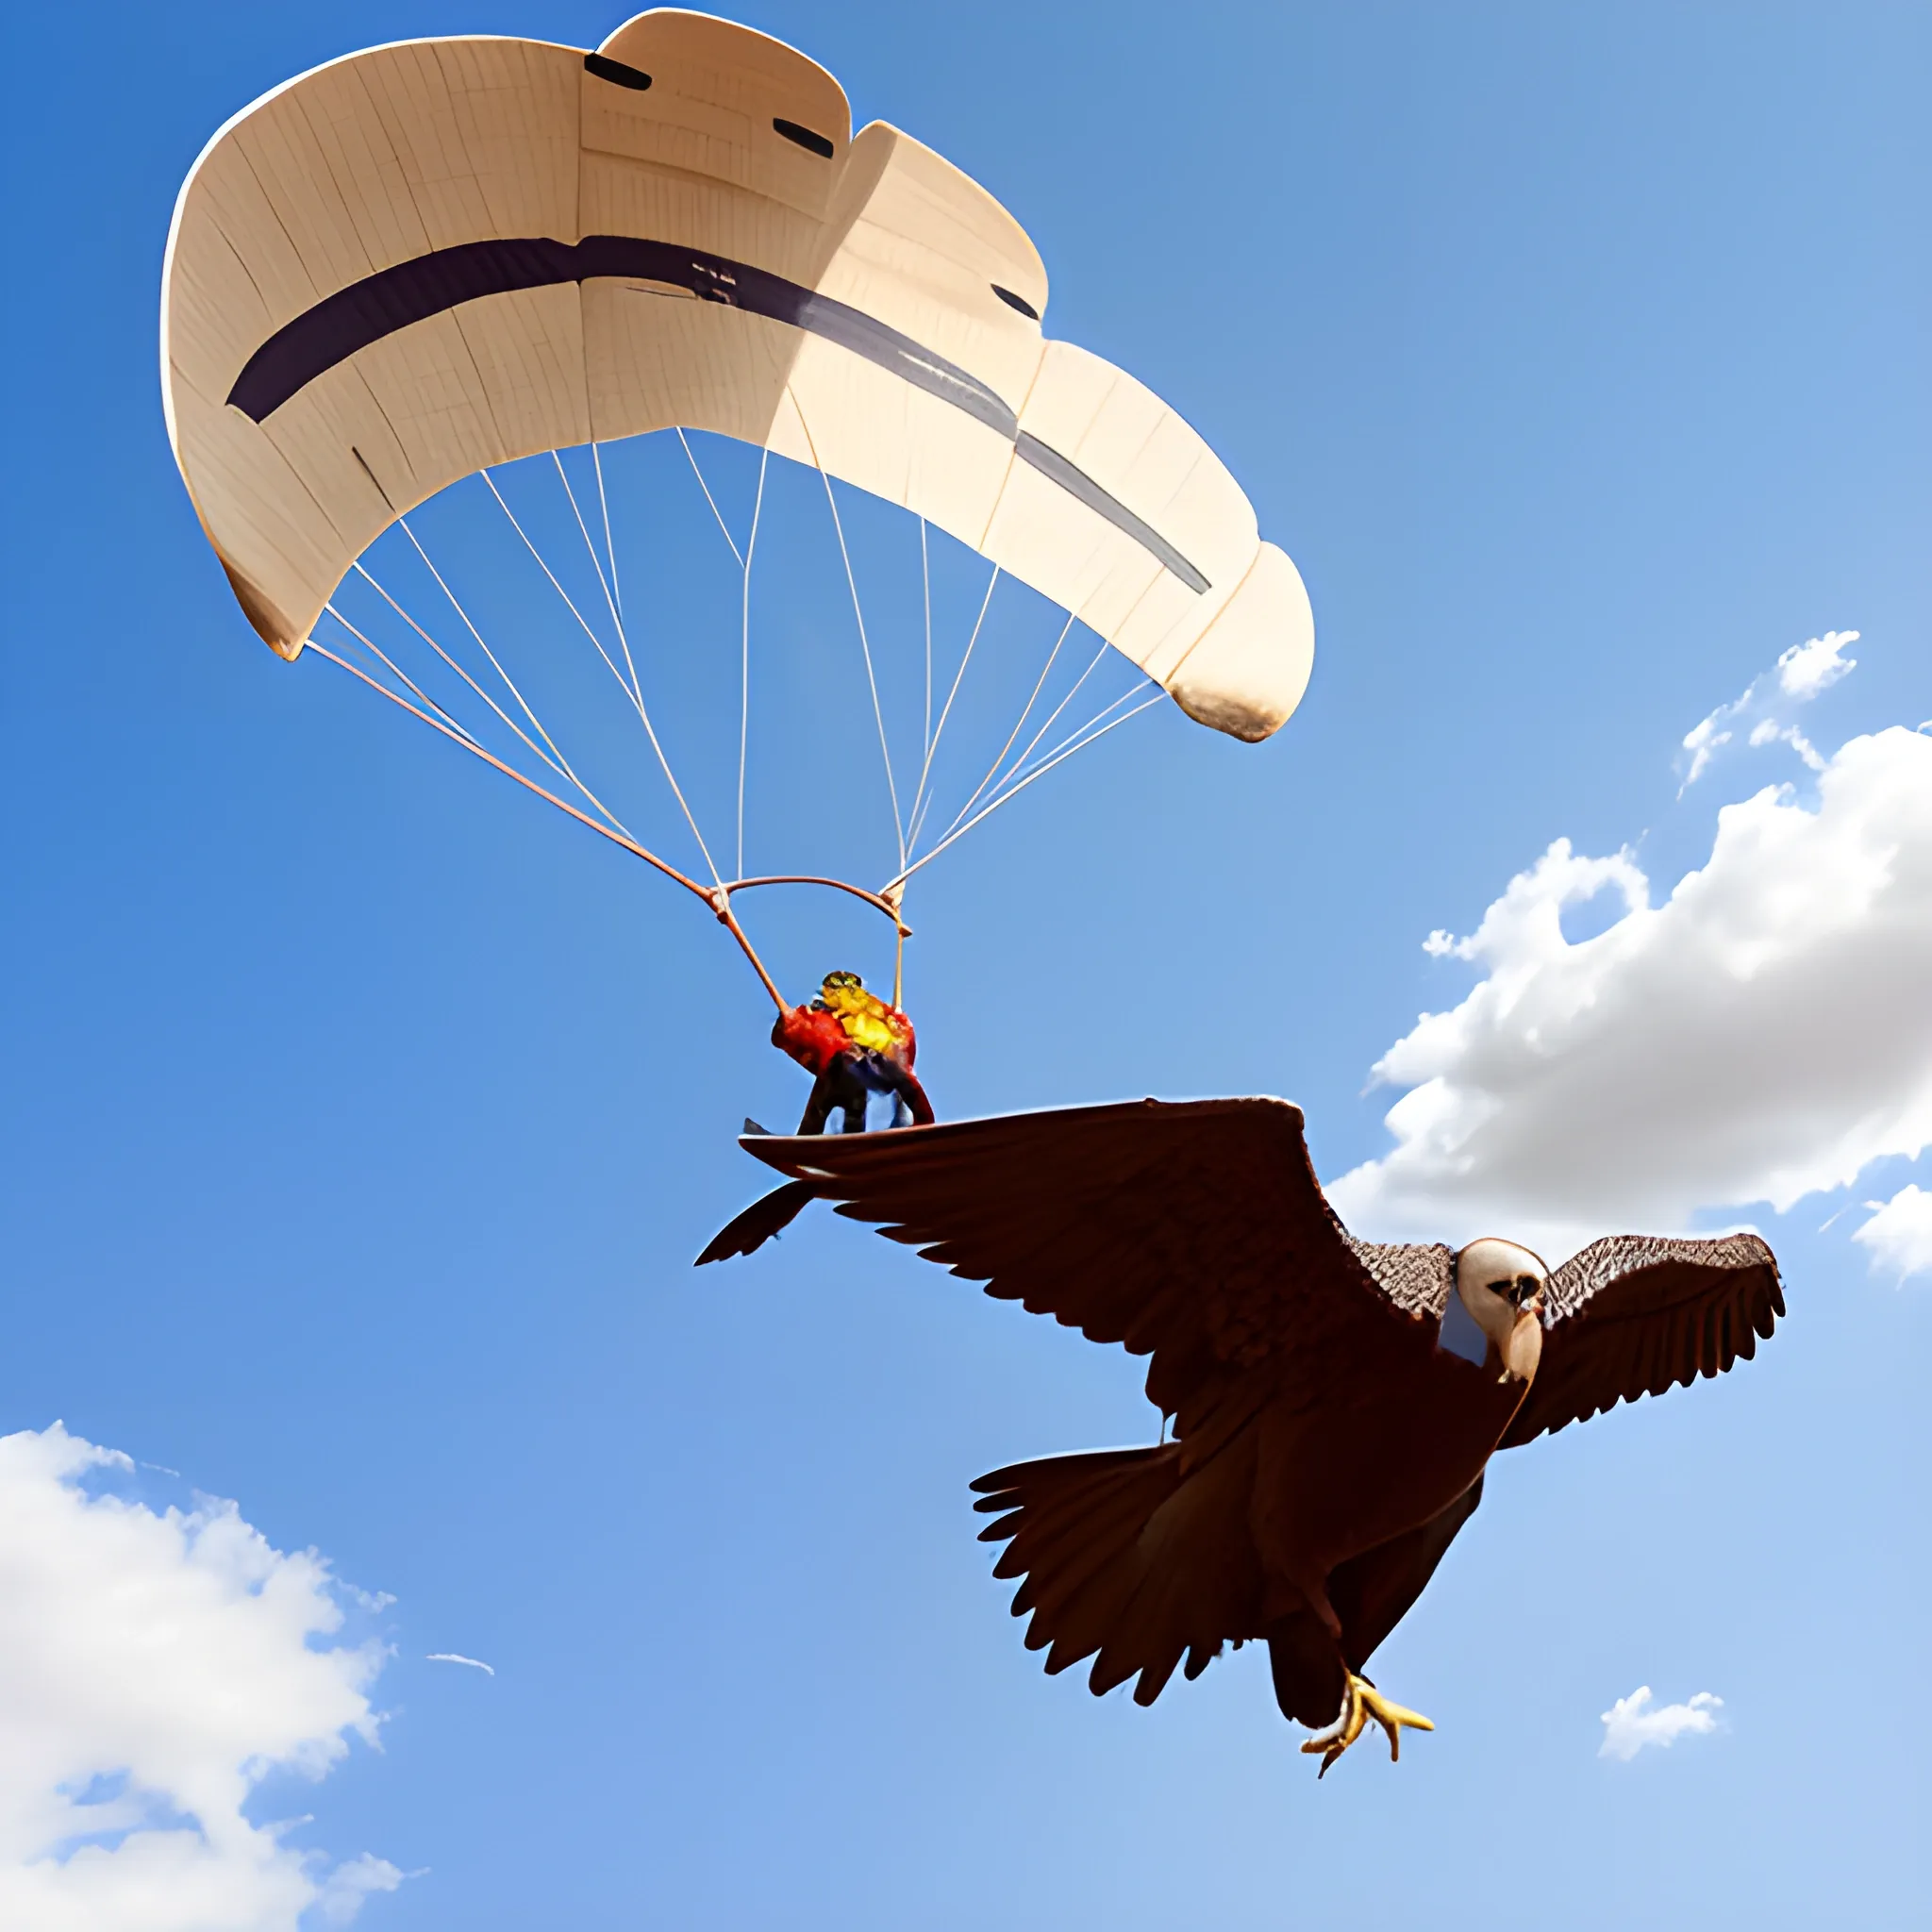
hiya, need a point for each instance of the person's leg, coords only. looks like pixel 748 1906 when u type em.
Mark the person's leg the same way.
pixel 911 1104
pixel 845 1090
pixel 818 1108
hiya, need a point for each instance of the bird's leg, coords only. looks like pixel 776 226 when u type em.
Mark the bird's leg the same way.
pixel 1361 1703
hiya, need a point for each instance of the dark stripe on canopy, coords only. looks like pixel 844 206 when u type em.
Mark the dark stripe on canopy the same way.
pixel 393 298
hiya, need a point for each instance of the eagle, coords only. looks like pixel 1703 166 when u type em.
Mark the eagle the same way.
pixel 1334 1402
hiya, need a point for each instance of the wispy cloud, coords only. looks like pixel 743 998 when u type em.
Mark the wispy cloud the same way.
pixel 451 1656
pixel 1769 732
pixel 1629 1725
pixel 1900 1233
pixel 353 1881
pixel 1816 665
pixel 1760 1035
pixel 1797 677
pixel 154 1669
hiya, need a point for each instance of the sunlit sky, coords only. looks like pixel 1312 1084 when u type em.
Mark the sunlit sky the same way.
pixel 363 1116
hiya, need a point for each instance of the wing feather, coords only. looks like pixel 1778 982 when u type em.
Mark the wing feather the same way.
pixel 1635 1315
pixel 1194 1233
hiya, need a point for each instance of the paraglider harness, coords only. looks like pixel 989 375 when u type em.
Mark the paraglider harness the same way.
pixel 853 1046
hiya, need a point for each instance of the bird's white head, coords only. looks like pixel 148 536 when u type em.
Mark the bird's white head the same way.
pixel 1502 1285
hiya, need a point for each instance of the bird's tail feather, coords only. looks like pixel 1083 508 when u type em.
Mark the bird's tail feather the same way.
pixel 1126 1556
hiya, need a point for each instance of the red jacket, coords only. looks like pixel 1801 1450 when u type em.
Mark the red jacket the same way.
pixel 814 1038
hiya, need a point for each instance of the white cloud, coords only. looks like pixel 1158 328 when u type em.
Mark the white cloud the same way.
pixel 1816 665
pixel 353 1881
pixel 1769 732
pixel 451 1656
pixel 1704 740
pixel 1797 677
pixel 1761 1034
pixel 1900 1233
pixel 153 1668
pixel 1629 1725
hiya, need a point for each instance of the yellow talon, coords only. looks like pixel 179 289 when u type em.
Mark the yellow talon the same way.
pixel 1361 1703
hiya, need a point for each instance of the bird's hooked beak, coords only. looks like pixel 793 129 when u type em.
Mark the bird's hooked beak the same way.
pixel 1503 1286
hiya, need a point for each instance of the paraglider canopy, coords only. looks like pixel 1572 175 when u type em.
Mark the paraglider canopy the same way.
pixel 436 255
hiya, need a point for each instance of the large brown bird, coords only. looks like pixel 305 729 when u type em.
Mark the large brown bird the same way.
pixel 1334 1401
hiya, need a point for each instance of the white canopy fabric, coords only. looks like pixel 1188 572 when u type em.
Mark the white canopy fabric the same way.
pixel 441 255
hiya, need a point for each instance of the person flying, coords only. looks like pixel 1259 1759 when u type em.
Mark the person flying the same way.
pixel 853 1046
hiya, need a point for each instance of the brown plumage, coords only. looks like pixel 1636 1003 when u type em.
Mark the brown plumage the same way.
pixel 1334 1402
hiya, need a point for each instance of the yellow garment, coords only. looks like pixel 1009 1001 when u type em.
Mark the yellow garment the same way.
pixel 868 1021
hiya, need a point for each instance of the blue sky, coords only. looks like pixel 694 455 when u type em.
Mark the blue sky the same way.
pixel 363 1117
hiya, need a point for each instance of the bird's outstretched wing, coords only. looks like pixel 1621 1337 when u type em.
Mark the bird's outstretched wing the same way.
pixel 1193 1232
pixel 1636 1314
